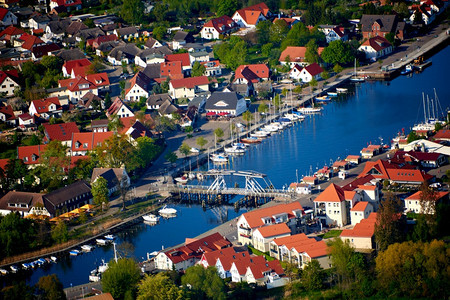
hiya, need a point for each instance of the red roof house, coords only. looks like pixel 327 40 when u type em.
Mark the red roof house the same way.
pixel 251 73
pixel 30 154
pixel 214 28
pixel 252 15
pixel 73 68
pixel 61 132
pixel 82 142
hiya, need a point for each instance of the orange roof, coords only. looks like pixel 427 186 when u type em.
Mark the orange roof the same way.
pixel 309 178
pixel 442 134
pixel 365 228
pixel 332 193
pixel 30 41
pixel 211 257
pixel 274 230
pixel 352 157
pixel 42 105
pixel 183 57
pixel 254 218
pixel 252 73
pixel 260 268
pixel 251 14
pixel 3 163
pixel 173 70
pixel 367 187
pixel 349 195
pixel 30 154
pixel 78 63
pixel 296 54
pixel 360 206
pixel 86 141
pixel 303 244
pixel 60 132
pixel 289 241
pixel 190 82
pixel 418 195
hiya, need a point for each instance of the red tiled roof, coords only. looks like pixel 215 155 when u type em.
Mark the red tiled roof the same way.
pixel 30 41
pixel 244 262
pixel 3 163
pixel 190 82
pixel 254 218
pixel 196 248
pixel 174 70
pixel 365 228
pixel 42 105
pixel 251 14
pixel 258 269
pixel 78 63
pixel 86 141
pixel 11 31
pixel 252 73
pixel 418 195
pixel 61 132
pixel 332 193
pixel 224 22
pixel 3 12
pixel 274 230
pixel 296 54
pixel 183 57
pixel 360 206
pixel 101 39
pixel 30 154
pixel 99 79
pixel 442 134
pixel 378 43
pixel 91 81
pixel 313 69
pixel 8 111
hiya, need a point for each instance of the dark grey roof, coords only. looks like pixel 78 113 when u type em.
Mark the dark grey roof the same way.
pixel 112 175
pixel 388 23
pixel 167 108
pixel 71 54
pixel 90 33
pixel 99 123
pixel 164 50
pixel 127 30
pixel 198 53
pixel 75 27
pixel 41 19
pixel 180 36
pixel 150 42
pixel 18 198
pixel 143 80
pixel 228 98
pixel 153 71
pixel 128 50
pixel 58 27
pixel 108 46
pixel 198 101
pixel 158 99
pixel 58 197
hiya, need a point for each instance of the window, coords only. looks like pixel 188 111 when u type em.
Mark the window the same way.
pixel 85 145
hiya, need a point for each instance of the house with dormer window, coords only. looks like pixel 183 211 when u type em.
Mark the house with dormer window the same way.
pixel 217 27
pixel 376 47
pixel 74 68
pixel 290 214
pixel 78 87
pixel 82 142
pixel 380 25
pixel 119 108
pixel 30 154
pixel 45 108
pixel 7 114
pixel 249 17
pixel 246 74
pixel 226 103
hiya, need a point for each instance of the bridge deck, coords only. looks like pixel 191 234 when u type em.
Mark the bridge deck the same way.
pixel 202 189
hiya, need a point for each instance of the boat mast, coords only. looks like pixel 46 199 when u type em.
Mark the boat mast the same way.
pixel 428 105
pixel 424 109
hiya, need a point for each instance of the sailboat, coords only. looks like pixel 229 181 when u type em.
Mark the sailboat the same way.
pixel 310 110
pixel 355 77
pixel 431 117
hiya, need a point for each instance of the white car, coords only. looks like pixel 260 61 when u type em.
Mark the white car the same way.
pixel 195 150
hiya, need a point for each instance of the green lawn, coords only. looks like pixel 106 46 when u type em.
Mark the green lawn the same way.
pixel 259 253
pixel 330 234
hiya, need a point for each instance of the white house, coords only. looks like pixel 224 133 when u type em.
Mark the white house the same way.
pixel 308 73
pixel 301 188
pixel 140 86
pixel 332 205
pixel 8 82
pixel 416 204
pixel 376 47
pixel 212 68
pixel 226 103
pixel 262 236
pixel 427 12
pixel 188 87
pixel 250 16
pixel 114 177
pixel 360 211
pixel 362 235
pixel 214 28
pixel 119 108
pixel 45 107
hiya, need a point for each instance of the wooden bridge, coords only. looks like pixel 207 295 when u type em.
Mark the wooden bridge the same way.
pixel 219 193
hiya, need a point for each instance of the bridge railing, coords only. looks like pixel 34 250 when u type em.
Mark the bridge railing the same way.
pixel 237 191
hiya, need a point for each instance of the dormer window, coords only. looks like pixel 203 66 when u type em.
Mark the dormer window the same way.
pixel 34 157
pixel 77 144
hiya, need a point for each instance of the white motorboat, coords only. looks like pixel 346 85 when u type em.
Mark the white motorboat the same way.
pixel 183 179
pixel 87 248
pixel 26 266
pixel 310 110
pixel 151 218
pixel 242 145
pixel 4 271
pixel 323 98
pixel 260 134
pixel 53 258
pixel 341 90
pixel 219 158
pixel 110 237
pixel 41 261
pixel 101 242
pixel 294 117
pixel 191 176
pixel 96 274
pixel 332 94
pixel 408 69
pixel 234 150
pixel 74 252
pixel 14 268
pixel 271 127
pixel 195 150
pixel 167 212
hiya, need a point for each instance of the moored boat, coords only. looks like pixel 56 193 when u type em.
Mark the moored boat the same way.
pixel 332 94
pixel 74 252
pixel 323 99
pixel 53 258
pixel 183 179
pixel 4 272
pixel 87 248
pixel 96 274
pixel 310 110
pixel 251 140
pixel 234 150
pixel 101 242
pixel 408 69
pixel 151 218
pixel 14 268
pixel 341 90
pixel 110 237
pixel 167 212
pixel 219 158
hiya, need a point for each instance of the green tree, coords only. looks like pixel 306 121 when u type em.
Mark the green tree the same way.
pixel 263 31
pixel 60 233
pixel 247 116
pixel 89 23
pixel 412 136
pixel 338 52
pixel 115 124
pixel 159 286
pixel 51 288
pixel 107 102
pixel 100 191
pixel 132 11
pixel 325 75
pixel 313 276
pixel 263 108
pixel 15 171
pixel 312 52
pixel 19 291
pixel 204 282
pixel 171 157
pixel 198 69
pixel 147 150
pixel 53 165
pixel 159 32
pixel 226 7
pixel 390 37
pixel 185 149
pixel 388 228
pixel 201 141
pixel 218 133
pixel 118 152
pixel 278 31
pixel 16 234
pixel 266 48
pixel 121 277
pixel 337 68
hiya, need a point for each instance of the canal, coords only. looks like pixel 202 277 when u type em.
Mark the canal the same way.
pixel 371 111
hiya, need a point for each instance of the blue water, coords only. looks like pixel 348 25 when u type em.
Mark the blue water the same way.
pixel 371 110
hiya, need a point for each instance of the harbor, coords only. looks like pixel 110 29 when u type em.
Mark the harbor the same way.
pixel 345 125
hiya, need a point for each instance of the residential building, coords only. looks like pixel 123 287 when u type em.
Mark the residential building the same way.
pixel 262 236
pixel 307 73
pixel 68 198
pixel 295 55
pixel 312 180
pixel 156 100
pixel 134 128
pixel 126 33
pixel 251 73
pixel 25 120
pixel 223 259
pixel 260 272
pixel 362 236
pixel 428 160
pixel 184 58
pixel 188 87
pixel 7 18
pixel 190 253
pixel 226 103
pixel 181 38
pixel 199 56
pixel 99 125
pixel 417 204
pixel 428 15
pixel 300 250
pixel 30 154
pixel 74 68
pixel 381 25
pixel 7 115
pixel 290 214
pixel 10 33
pixel 24 203
pixel 250 16
pixel 70 5
pixel 78 87
pixel 119 108
pixel 60 132
pixel 152 43
pixel 45 108
pixel 332 206
pixel 140 86
pixel 336 33
pixel 360 211
pixel 300 188
pixel 353 159
pixel 376 47
pixel 217 27
pixel 126 53
pixel 114 177
pixel 82 142
pixel 212 68
pixel 172 70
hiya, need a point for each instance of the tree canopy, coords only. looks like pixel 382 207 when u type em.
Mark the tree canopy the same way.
pixel 121 277
pixel 338 52
pixel 159 286
pixel 51 288
pixel 205 283
pixel 132 11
